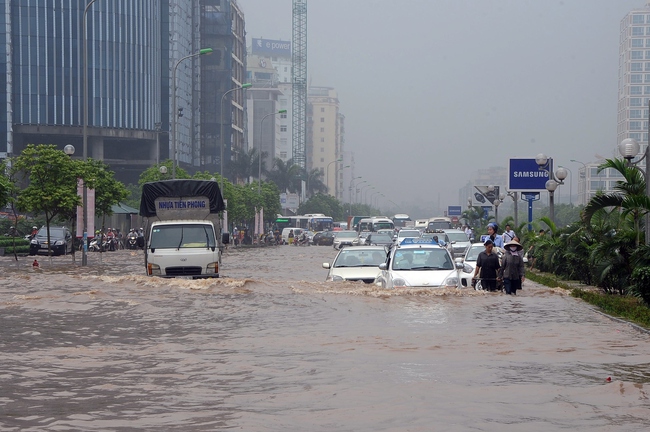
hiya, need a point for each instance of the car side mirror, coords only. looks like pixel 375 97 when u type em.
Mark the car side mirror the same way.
pixel 326 265
pixel 383 266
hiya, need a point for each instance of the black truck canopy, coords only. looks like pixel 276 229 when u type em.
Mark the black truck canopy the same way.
pixel 180 189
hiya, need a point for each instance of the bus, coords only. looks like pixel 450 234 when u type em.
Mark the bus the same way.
pixel 319 222
pixel 438 223
pixel 374 224
pixel 313 222
pixel 402 221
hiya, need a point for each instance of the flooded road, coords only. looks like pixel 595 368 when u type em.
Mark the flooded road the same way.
pixel 272 347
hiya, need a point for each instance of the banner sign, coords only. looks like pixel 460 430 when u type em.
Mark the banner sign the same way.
pixel 524 175
pixel 272 47
pixel 454 210
pixel 491 195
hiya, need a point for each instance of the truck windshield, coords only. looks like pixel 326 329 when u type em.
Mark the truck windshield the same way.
pixel 182 236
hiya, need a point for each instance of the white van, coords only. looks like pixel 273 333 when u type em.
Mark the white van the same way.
pixel 297 232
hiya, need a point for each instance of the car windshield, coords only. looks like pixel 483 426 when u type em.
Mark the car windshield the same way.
pixel 54 232
pixel 422 259
pixel 382 225
pixel 383 238
pixel 182 236
pixel 408 233
pixel 472 254
pixel 457 236
pixel 360 258
pixel 346 234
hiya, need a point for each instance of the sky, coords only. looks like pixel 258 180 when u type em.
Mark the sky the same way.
pixel 433 90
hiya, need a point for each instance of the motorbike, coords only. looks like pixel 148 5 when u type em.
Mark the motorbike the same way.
pixel 132 241
pixel 301 241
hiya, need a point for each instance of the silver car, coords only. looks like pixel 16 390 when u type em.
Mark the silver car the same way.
pixel 345 238
pixel 356 264
pixel 459 242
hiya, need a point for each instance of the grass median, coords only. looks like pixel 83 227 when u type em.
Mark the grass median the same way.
pixel 628 308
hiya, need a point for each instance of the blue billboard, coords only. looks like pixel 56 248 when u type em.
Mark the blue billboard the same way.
pixel 454 211
pixel 524 175
pixel 272 47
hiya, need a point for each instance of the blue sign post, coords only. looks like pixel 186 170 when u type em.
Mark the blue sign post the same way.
pixel 525 176
pixel 530 197
pixel 454 211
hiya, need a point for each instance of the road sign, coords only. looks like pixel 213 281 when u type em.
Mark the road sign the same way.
pixel 530 196
pixel 486 211
pixel 491 195
pixel 524 175
pixel 454 210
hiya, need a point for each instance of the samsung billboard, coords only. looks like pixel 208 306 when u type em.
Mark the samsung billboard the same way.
pixel 524 175
pixel 271 47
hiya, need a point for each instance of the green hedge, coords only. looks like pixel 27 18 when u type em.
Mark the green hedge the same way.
pixel 22 245
pixel 628 308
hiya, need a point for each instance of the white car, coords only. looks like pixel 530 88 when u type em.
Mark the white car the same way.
pixel 345 238
pixel 419 263
pixel 356 264
pixel 459 242
pixel 407 233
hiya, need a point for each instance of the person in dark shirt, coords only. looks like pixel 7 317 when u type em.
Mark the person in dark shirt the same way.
pixel 487 266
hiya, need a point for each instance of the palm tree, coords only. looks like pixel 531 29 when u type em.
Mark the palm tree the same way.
pixel 629 196
pixel 246 165
pixel 315 182
pixel 286 176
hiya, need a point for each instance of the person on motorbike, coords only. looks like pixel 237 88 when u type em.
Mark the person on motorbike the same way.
pixel 110 239
pixel 34 232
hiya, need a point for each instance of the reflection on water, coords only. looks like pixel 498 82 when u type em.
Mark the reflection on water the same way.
pixel 272 346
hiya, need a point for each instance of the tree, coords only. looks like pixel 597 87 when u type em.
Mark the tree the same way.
pixel 286 176
pixel 325 204
pixel 315 183
pixel 629 196
pixel 6 185
pixel 247 165
pixel 52 182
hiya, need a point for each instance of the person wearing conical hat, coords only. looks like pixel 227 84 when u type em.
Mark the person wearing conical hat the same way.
pixel 512 271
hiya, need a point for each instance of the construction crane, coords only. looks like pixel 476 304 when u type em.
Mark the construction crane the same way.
pixel 299 83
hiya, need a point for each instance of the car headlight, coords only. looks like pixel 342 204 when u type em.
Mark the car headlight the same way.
pixel 212 268
pixel 58 243
pixel 337 278
pixel 399 282
pixel 451 281
pixel 153 269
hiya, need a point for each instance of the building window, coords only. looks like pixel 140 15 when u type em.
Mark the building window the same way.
pixel 322 119
pixel 638 19
pixel 635 102
pixel 637 67
pixel 637 55
pixel 322 140
pixel 322 159
pixel 646 77
pixel 322 109
pixel 637 78
pixel 637 43
pixel 635 125
pixel 646 90
pixel 322 129
pixel 647 55
pixel 636 136
pixel 637 31
pixel 598 185
pixel 635 114
pixel 283 115
pixel 283 155
pixel 635 90
pixel 322 149
pixel 283 128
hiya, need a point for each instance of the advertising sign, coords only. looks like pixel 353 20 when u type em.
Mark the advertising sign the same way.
pixel 272 47
pixel 289 201
pixel 491 195
pixel 454 211
pixel 524 175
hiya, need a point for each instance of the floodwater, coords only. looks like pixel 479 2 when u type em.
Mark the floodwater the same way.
pixel 272 347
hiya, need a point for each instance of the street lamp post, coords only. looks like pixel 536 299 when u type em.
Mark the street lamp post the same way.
pixel 174 114
pixel 629 148
pixel 259 153
pixel 360 190
pixel 553 182
pixel 327 173
pixel 570 184
pixel 84 36
pixel 350 191
pixel 221 132
pixel 582 180
pixel 497 203
pixel 365 195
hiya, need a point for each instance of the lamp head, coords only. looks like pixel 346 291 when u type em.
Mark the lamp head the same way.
pixel 541 159
pixel 629 148
pixel 551 185
pixel 246 85
pixel 163 169
pixel 69 149
pixel 561 173
pixel 502 196
pixel 497 203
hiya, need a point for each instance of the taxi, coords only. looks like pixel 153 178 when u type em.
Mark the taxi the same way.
pixel 422 263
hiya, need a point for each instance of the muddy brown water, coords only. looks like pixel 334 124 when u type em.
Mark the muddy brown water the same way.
pixel 273 347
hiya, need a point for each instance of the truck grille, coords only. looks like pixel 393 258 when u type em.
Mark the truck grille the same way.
pixel 182 271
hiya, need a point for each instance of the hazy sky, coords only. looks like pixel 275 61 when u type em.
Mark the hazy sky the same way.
pixel 434 89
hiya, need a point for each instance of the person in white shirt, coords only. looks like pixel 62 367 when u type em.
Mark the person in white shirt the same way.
pixel 508 235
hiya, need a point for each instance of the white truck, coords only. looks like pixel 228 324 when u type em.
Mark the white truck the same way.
pixel 183 237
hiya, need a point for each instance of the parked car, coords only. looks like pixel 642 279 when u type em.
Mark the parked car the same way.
pixel 356 264
pixel 323 238
pixel 60 237
pixel 344 238
pixel 420 263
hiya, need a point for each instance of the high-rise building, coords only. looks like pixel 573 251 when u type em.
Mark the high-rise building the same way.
pixel 324 137
pixel 132 50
